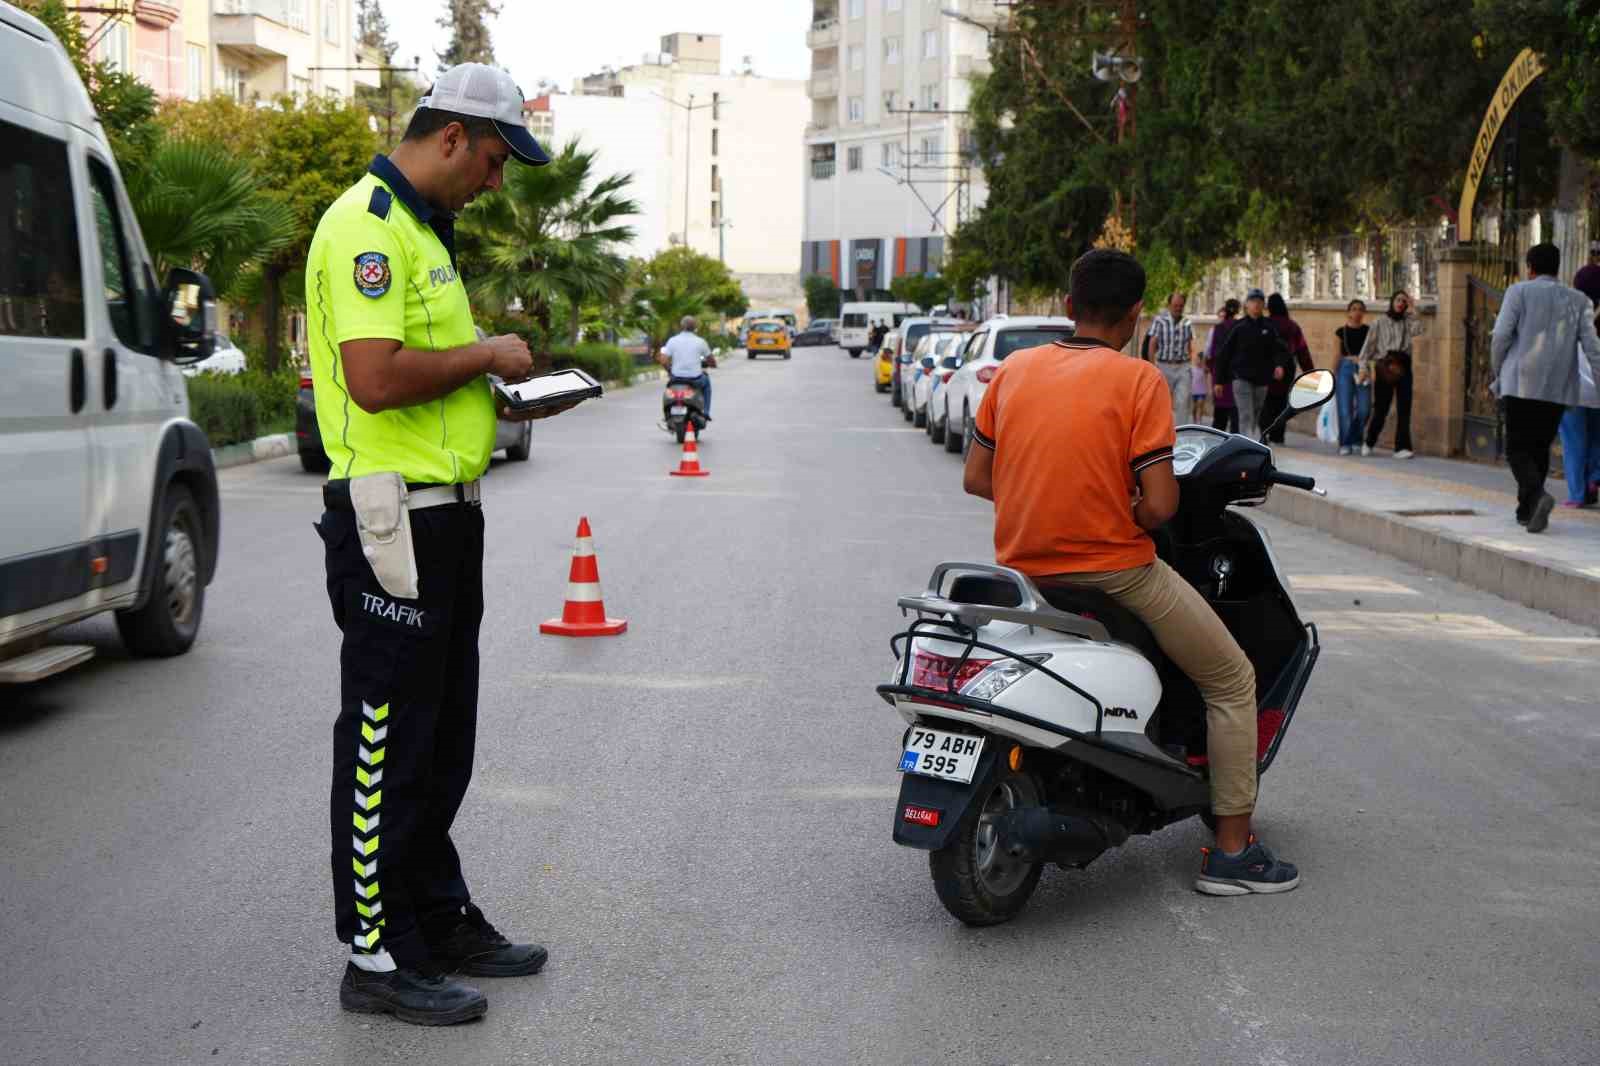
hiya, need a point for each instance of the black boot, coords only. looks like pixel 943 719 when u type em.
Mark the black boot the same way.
pixel 472 946
pixel 411 995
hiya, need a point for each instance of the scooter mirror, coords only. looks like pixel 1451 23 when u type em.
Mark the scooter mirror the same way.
pixel 1311 389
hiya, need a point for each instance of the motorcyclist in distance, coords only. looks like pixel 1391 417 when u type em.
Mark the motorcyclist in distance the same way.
pixel 684 355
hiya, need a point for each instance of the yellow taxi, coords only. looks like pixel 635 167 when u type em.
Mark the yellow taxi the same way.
pixel 768 335
pixel 886 356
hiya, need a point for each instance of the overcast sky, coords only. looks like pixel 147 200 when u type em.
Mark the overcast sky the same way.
pixel 561 41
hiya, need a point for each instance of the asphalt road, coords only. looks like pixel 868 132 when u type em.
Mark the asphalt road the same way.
pixel 695 816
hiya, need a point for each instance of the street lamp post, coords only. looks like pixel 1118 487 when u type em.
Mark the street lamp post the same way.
pixel 688 117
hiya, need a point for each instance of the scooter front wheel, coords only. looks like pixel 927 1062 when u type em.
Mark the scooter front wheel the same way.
pixel 975 880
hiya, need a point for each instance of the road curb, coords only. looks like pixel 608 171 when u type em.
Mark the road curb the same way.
pixel 1560 590
pixel 275 446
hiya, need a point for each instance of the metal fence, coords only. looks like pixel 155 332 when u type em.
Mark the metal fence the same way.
pixel 1373 265
pixel 1365 266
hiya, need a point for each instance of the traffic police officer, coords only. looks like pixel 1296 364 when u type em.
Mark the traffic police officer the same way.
pixel 408 421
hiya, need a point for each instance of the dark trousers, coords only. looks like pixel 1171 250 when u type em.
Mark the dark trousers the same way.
pixel 1271 408
pixel 1383 394
pixel 1531 427
pixel 403 741
pixel 1225 418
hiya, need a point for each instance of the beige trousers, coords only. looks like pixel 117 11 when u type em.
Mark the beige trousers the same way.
pixel 1194 638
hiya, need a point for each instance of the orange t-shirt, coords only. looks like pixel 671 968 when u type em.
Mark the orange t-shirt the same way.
pixel 1071 424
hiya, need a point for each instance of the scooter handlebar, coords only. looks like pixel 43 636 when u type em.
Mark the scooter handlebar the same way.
pixel 1294 481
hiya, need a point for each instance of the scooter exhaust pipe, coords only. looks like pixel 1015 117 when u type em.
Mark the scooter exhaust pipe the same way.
pixel 1064 835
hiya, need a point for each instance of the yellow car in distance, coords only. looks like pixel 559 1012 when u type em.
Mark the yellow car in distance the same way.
pixel 768 336
pixel 885 361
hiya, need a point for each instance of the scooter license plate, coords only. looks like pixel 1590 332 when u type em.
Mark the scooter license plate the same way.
pixel 678 409
pixel 934 753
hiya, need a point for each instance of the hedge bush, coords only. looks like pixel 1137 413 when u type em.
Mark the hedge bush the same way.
pixel 603 362
pixel 233 408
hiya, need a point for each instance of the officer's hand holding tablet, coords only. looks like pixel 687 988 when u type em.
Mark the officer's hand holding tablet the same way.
pixel 546 395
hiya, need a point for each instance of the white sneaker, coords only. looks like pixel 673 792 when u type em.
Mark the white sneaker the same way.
pixel 1346 450
pixel 1366 449
pixel 1404 453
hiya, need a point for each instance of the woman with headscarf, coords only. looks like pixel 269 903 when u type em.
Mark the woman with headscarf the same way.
pixel 1224 413
pixel 1387 355
pixel 1278 391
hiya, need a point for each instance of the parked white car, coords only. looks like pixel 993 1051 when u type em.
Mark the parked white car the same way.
pixel 997 338
pixel 226 358
pixel 917 380
pixel 111 495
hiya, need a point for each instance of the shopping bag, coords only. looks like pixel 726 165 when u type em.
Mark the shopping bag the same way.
pixel 1328 423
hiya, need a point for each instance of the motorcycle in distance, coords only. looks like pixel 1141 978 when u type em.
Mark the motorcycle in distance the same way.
pixel 683 404
pixel 1049 730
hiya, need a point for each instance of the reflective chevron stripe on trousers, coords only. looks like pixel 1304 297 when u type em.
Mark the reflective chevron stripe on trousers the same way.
pixel 403 740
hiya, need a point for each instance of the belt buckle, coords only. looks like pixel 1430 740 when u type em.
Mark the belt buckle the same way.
pixel 470 493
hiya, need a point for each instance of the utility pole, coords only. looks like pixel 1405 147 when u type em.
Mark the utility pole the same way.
pixel 388 73
pixel 688 117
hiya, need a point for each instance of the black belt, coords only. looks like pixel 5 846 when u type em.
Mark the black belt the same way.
pixel 336 493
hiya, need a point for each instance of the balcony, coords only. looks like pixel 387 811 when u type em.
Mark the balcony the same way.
pixel 824 85
pixel 261 28
pixel 824 33
pixel 157 13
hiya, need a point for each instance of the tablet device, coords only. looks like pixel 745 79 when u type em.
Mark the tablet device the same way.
pixel 549 390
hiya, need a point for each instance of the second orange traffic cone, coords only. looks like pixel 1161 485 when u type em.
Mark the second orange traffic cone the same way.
pixel 584 614
pixel 689 465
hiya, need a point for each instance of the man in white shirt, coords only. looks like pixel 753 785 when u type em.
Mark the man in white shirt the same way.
pixel 684 357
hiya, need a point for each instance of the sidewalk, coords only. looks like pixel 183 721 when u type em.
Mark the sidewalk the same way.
pixel 1451 517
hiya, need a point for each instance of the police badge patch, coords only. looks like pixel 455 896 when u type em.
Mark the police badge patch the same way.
pixel 372 274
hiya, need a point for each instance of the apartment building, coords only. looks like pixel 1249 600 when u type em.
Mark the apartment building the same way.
pixel 717 157
pixel 889 173
pixel 188 49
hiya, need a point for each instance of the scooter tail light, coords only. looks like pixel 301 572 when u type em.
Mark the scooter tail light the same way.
pixel 999 676
pixel 936 671
pixel 985 374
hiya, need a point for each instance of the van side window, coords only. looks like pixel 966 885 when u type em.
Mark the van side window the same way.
pixel 128 293
pixel 41 272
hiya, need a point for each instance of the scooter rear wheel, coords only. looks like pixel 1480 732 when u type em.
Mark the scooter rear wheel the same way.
pixel 975 880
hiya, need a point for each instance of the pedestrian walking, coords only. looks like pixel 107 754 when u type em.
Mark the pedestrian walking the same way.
pixel 1278 390
pixel 1544 330
pixel 1252 357
pixel 1353 378
pixel 408 420
pixel 1388 352
pixel 1170 343
pixel 1224 413
pixel 1580 426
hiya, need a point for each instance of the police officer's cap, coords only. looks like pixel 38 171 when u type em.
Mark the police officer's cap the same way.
pixel 486 92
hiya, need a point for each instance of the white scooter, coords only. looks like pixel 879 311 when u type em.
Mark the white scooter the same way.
pixel 1049 727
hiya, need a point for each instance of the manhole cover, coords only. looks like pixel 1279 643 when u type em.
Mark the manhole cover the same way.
pixel 1436 512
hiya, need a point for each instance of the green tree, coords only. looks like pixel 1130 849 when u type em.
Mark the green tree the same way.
pixel 468 23
pixel 200 207
pixel 681 281
pixel 305 153
pixel 549 235
pixel 126 105
pixel 372 29
pixel 1566 33
pixel 1334 118
pixel 822 296
pixel 927 291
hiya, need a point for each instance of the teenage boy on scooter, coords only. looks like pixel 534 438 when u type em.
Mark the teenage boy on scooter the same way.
pixel 1076 453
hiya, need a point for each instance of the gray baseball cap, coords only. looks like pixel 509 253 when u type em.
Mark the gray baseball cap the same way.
pixel 1255 294
pixel 483 91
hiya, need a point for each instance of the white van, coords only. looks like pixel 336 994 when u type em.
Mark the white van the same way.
pixel 855 319
pixel 110 494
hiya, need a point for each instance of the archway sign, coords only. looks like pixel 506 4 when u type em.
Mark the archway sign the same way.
pixel 1525 69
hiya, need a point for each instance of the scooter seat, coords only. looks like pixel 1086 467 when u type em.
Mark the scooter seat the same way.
pixel 1123 625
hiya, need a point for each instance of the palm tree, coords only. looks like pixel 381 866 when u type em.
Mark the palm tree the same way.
pixel 199 207
pixel 551 233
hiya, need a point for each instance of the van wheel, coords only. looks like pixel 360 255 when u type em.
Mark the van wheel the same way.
pixel 519 452
pixel 936 430
pixel 975 880
pixel 315 462
pixel 920 418
pixel 170 619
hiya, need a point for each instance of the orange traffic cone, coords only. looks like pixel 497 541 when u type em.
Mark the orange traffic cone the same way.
pixel 584 614
pixel 689 465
